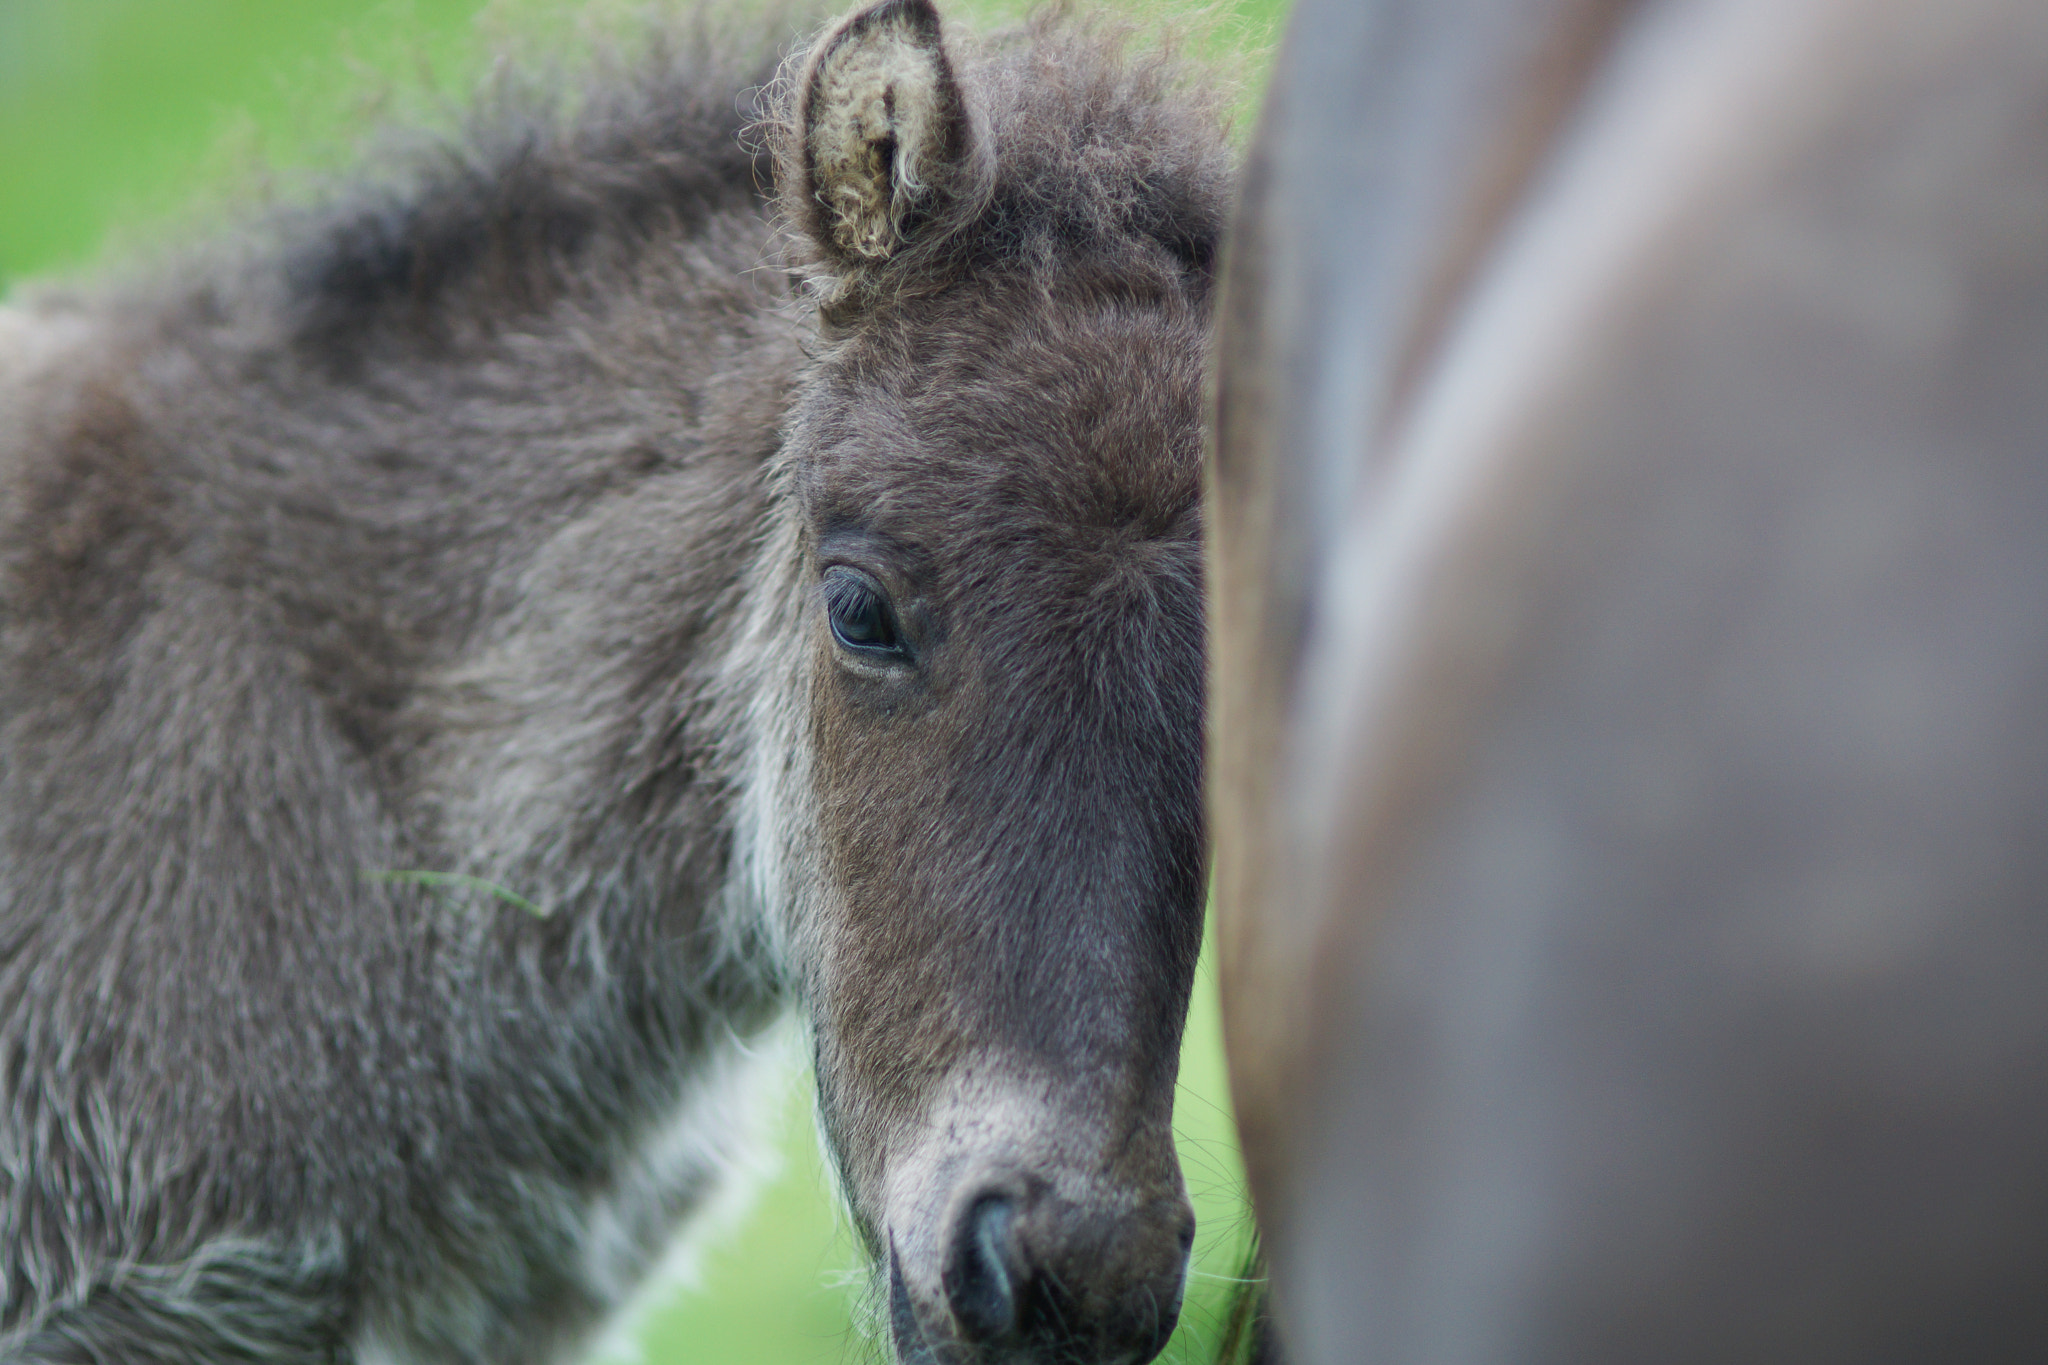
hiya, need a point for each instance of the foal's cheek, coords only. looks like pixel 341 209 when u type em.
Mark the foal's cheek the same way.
pixel 863 765
pixel 873 780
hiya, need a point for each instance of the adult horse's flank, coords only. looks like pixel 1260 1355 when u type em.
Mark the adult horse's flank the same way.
pixel 781 569
pixel 1632 662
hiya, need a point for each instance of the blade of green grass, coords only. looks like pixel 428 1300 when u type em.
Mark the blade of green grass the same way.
pixel 462 881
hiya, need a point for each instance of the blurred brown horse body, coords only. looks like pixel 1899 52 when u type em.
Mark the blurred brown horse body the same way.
pixel 1629 778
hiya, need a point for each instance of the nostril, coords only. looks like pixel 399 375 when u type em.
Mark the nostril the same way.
pixel 979 1278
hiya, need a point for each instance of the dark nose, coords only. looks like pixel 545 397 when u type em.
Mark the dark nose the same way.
pixel 1036 1274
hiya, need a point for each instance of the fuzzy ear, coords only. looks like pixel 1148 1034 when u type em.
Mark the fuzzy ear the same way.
pixel 890 150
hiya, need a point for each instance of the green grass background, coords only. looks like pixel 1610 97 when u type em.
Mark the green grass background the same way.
pixel 115 117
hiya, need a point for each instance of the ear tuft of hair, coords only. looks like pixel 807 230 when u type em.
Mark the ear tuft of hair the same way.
pixel 889 144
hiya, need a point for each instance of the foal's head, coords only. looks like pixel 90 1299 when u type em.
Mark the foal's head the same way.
pixel 993 468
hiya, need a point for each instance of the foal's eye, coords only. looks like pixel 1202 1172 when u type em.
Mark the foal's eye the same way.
pixel 859 611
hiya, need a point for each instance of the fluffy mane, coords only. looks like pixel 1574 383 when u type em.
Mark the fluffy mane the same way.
pixel 559 174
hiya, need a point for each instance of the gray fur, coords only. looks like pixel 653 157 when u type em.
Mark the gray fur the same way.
pixel 471 524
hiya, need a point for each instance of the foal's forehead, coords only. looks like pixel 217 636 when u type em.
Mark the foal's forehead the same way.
pixel 1059 418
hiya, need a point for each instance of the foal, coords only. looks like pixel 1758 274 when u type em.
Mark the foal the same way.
pixel 470 654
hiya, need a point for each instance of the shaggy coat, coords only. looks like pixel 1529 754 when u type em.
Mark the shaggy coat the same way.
pixel 472 652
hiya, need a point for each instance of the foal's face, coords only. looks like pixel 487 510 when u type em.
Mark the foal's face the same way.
pixel 996 464
pixel 1006 671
